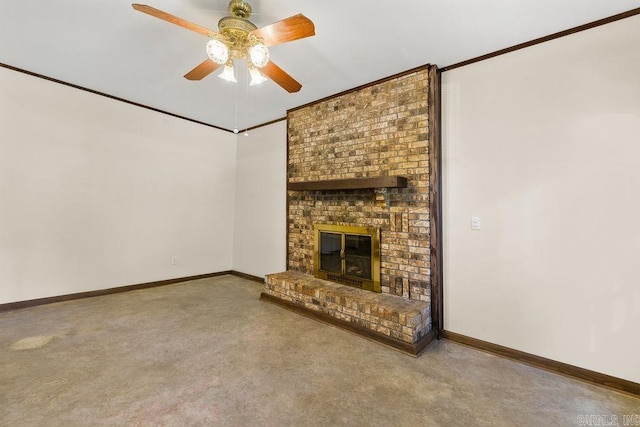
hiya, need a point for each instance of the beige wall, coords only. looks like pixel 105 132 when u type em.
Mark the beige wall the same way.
pixel 259 245
pixel 543 145
pixel 96 193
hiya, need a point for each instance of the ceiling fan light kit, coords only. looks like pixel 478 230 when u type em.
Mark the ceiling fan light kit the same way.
pixel 239 38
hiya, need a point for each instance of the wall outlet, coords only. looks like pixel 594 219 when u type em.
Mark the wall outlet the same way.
pixel 174 260
pixel 475 223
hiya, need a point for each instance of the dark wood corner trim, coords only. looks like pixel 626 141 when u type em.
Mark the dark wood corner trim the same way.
pixel 106 95
pixel 287 199
pixel 571 371
pixel 435 201
pixel 89 294
pixel 247 276
pixel 364 86
pixel 414 349
pixel 350 184
pixel 553 36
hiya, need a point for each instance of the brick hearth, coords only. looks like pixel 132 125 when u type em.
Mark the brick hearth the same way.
pixel 399 319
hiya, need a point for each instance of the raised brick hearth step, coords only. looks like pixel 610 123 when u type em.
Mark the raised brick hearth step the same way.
pixel 399 322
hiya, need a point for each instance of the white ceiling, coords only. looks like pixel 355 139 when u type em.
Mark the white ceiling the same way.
pixel 106 46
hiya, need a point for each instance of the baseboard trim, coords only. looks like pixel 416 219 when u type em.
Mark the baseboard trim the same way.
pixel 414 349
pixel 89 294
pixel 571 371
pixel 248 276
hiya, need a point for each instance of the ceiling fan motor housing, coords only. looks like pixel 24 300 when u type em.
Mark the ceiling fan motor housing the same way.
pixel 232 23
pixel 236 31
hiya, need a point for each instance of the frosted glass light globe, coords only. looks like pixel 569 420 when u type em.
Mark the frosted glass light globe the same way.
pixel 217 51
pixel 256 77
pixel 228 74
pixel 259 55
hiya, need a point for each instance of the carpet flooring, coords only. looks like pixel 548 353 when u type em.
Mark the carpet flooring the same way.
pixel 208 352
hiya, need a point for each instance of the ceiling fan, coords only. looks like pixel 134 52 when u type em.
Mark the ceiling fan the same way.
pixel 239 38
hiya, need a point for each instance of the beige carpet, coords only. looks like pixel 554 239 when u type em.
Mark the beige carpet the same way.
pixel 208 352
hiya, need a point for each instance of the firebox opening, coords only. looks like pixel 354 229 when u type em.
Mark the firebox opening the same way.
pixel 348 255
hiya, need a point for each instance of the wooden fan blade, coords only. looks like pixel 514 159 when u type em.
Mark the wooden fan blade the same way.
pixel 157 13
pixel 278 75
pixel 205 68
pixel 289 29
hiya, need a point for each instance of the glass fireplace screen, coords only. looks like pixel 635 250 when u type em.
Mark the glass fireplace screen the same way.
pixel 348 255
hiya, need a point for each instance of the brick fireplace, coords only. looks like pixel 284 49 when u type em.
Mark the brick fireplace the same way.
pixel 361 159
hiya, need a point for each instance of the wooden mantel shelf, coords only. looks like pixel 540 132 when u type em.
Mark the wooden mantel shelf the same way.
pixel 350 184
